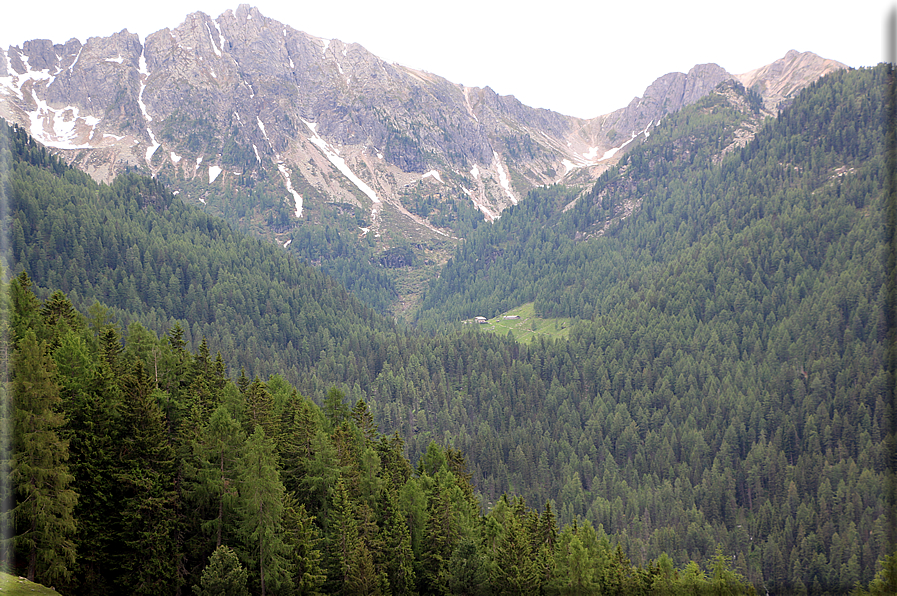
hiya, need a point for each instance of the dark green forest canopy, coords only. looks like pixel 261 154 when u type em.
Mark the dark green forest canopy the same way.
pixel 140 468
pixel 726 382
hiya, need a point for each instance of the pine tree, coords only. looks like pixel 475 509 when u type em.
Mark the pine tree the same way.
pixel 441 536
pixel 24 309
pixel 399 557
pixel 350 563
pixel 515 568
pixel 44 502
pixel 216 453
pixel 467 571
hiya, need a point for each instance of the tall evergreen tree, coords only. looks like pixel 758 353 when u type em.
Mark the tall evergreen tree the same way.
pixel 146 554
pixel 261 509
pixel 92 402
pixel 44 523
pixel 303 539
pixel 223 576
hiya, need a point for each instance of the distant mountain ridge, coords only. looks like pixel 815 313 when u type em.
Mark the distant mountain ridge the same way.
pixel 215 102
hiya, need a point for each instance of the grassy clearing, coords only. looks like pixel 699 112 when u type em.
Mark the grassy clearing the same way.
pixel 527 326
pixel 10 585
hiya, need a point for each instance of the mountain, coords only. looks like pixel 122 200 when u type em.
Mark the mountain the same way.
pixel 723 388
pixel 781 80
pixel 273 129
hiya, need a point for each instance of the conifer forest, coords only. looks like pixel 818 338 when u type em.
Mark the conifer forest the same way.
pixel 191 409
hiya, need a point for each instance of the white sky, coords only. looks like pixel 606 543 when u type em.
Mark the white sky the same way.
pixel 582 58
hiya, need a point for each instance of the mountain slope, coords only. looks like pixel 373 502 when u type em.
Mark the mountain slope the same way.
pixel 521 257
pixel 733 343
pixel 134 247
pixel 277 130
pixel 231 94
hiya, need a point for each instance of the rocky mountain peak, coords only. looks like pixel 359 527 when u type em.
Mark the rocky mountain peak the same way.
pixel 784 78
pixel 219 105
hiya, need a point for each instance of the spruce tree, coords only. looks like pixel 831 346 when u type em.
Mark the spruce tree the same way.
pixel 146 551
pixel 44 502
pixel 223 576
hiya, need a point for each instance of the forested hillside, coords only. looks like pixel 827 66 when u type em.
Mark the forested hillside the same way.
pixel 139 468
pixel 725 386
pixel 728 380
pixel 136 248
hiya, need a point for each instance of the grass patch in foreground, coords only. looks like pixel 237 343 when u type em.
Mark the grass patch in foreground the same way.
pixel 17 586
pixel 525 326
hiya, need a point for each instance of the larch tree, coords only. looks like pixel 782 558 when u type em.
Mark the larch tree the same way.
pixel 261 508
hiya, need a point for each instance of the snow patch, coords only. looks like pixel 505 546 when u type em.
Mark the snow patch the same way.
pixel 213 173
pixel 57 128
pixel 569 165
pixel 257 158
pixel 434 174
pixel 591 154
pixel 203 201
pixel 175 157
pixel 262 127
pixel 475 171
pixel 287 243
pixel 211 39
pixel 76 59
pixel 503 177
pixel 117 60
pixel 340 163
pixel 297 198
pixel 611 152
pixel 154 144
pixel 220 35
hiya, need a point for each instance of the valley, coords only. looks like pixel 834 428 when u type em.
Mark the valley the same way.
pixel 237 294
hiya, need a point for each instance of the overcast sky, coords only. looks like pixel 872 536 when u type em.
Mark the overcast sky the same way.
pixel 581 58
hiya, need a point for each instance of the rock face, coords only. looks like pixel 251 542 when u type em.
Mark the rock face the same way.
pixel 242 97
